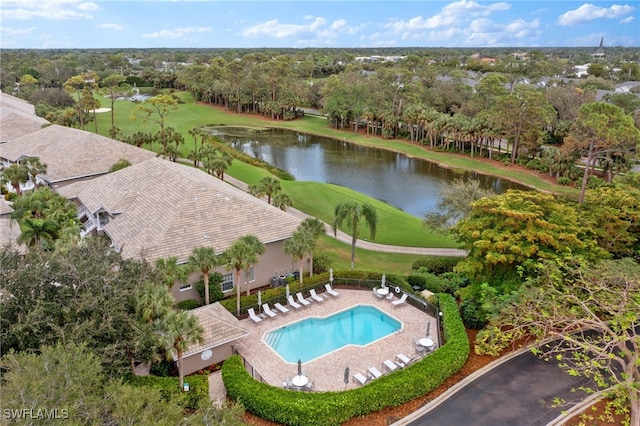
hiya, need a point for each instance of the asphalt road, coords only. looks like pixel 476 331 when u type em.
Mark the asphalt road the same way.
pixel 518 392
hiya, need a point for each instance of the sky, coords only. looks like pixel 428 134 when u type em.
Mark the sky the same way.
pixel 44 24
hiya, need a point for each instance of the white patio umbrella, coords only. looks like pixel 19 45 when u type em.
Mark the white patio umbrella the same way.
pixel 287 290
pixel 384 280
pixel 259 299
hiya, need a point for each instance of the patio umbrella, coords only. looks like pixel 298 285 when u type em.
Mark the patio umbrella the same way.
pixel 428 327
pixel 384 280
pixel 331 275
pixel 346 377
pixel 259 299
pixel 299 367
pixel 287 289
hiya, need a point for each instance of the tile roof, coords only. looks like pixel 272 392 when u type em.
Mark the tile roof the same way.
pixel 17 118
pixel 71 153
pixel 163 209
pixel 220 327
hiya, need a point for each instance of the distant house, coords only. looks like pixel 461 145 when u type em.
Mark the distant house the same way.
pixel 70 154
pixel 157 209
pixel 221 329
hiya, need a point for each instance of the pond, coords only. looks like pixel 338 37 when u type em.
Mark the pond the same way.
pixel 410 184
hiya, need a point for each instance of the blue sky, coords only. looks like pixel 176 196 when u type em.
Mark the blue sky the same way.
pixel 304 23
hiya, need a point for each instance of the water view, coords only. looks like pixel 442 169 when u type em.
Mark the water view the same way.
pixel 410 184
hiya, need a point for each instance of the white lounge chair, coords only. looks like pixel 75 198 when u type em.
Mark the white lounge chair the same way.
pixel 391 366
pixel 400 301
pixel 267 310
pixel 404 360
pixel 376 294
pixel 374 373
pixel 253 316
pixel 302 300
pixel 281 308
pixel 293 303
pixel 314 296
pixel 331 291
pixel 360 378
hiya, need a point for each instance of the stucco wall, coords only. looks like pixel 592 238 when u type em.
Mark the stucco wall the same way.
pixel 194 362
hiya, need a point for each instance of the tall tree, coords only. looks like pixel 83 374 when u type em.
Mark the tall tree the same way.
pixel 588 317
pixel 315 227
pixel 114 88
pixel 300 243
pixel 157 109
pixel 350 213
pixel 601 128
pixel 34 168
pixel 268 186
pixel 16 175
pixel 203 259
pixel 240 255
pixel 154 302
pixel 181 329
pixel 39 233
pixel 170 271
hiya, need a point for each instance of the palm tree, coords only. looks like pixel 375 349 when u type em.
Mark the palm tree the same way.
pixel 204 260
pixel 350 213
pixel 34 168
pixel 39 232
pixel 180 330
pixel 256 248
pixel 268 186
pixel 170 271
pixel 240 255
pixel 15 174
pixel 154 302
pixel 300 243
pixel 315 227
pixel 282 201
pixel 195 132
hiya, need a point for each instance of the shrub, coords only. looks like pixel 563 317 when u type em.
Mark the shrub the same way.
pixel 472 315
pixel 594 182
pixel 170 390
pixel 565 181
pixel 321 263
pixel 435 264
pixel 187 305
pixel 334 408
pixel 215 291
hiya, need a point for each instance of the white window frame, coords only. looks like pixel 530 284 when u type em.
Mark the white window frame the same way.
pixel 226 280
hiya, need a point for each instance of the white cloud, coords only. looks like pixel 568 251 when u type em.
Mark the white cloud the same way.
pixel 17 31
pixel 176 32
pixel 50 9
pixel 274 28
pixel 115 27
pixel 589 12
pixel 450 15
pixel 628 19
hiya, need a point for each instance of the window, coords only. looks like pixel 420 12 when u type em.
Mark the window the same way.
pixel 227 282
pixel 185 287
pixel 252 274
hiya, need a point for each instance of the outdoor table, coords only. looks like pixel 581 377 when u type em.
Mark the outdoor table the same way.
pixel 299 381
pixel 383 291
pixel 426 342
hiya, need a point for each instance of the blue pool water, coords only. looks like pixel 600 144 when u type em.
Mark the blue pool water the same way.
pixel 313 337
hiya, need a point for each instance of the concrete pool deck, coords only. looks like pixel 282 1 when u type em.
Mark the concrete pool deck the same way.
pixel 327 372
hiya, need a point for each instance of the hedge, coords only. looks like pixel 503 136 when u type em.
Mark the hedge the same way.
pixel 169 388
pixel 334 408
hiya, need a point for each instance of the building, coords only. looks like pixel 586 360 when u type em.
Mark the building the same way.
pixel 157 209
pixel 599 53
pixel 221 329
pixel 17 118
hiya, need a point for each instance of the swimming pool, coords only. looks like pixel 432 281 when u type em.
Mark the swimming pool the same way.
pixel 311 338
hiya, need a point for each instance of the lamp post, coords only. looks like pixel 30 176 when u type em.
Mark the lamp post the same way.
pixel 438 325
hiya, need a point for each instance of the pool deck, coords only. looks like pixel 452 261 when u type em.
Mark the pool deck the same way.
pixel 327 372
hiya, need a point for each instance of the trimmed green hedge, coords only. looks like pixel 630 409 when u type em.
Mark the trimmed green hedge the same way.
pixel 334 408
pixel 169 388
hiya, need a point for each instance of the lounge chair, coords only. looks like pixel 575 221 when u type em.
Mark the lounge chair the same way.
pixel 281 308
pixel 310 385
pixel 293 303
pixel 391 366
pixel 267 310
pixel 403 359
pixel 314 296
pixel 360 378
pixel 331 291
pixel 376 294
pixel 374 373
pixel 400 301
pixel 302 300
pixel 253 316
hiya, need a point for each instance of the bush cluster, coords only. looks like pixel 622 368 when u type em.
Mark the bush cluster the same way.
pixel 435 264
pixel 170 390
pixel 334 408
